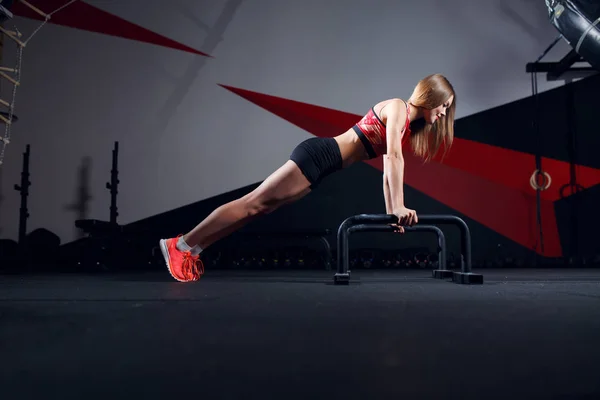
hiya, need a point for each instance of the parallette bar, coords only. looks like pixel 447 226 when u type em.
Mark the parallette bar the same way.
pixel 427 218
pixel 465 276
pixel 343 253
pixel 417 228
pixel 34 8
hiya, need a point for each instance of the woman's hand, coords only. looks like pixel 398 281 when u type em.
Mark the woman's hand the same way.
pixel 406 217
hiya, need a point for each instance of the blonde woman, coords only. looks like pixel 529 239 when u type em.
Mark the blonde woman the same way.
pixel 425 121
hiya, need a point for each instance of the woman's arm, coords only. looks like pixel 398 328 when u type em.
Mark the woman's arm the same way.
pixel 394 183
pixel 386 195
pixel 393 165
pixel 393 161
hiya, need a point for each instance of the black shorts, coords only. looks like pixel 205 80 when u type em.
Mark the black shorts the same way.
pixel 317 158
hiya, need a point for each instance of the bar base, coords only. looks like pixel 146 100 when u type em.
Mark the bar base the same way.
pixel 341 279
pixel 467 278
pixel 441 273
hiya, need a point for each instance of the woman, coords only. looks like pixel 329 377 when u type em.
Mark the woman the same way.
pixel 426 120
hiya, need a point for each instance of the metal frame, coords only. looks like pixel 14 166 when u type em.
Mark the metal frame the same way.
pixel 466 275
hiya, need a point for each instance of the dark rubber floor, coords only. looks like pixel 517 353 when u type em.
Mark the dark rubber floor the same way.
pixel 527 334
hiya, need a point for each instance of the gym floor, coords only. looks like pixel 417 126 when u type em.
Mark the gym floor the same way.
pixel 523 334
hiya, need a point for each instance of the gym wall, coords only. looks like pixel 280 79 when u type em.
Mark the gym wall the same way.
pixel 188 135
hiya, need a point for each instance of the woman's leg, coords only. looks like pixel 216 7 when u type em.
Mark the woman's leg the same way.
pixel 287 184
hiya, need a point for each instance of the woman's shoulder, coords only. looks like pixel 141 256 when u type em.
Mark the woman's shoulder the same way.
pixel 392 100
pixel 383 107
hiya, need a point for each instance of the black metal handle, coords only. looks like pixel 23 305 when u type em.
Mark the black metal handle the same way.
pixel 375 219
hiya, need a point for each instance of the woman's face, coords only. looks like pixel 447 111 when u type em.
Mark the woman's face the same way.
pixel 431 116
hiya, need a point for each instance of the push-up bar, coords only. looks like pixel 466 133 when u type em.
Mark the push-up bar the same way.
pixel 442 271
pixel 465 276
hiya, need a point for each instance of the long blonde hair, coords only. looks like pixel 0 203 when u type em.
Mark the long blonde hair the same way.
pixel 426 139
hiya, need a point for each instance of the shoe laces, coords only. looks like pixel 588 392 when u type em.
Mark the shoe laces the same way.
pixel 192 265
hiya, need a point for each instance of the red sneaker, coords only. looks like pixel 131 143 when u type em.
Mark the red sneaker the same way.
pixel 182 265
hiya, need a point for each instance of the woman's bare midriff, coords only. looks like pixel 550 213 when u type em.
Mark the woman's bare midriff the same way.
pixel 351 148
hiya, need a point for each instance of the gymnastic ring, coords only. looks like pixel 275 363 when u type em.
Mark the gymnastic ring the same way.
pixel 546 183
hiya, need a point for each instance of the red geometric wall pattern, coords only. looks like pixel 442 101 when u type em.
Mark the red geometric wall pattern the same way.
pixel 486 183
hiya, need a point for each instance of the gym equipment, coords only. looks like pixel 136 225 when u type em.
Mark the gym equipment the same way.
pixel 578 22
pixel 298 234
pixel 440 273
pixel 113 185
pixel 465 276
pixel 105 235
pixel 5 14
pixel 23 188
pixel 93 225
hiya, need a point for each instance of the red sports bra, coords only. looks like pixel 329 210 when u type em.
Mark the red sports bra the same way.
pixel 372 132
